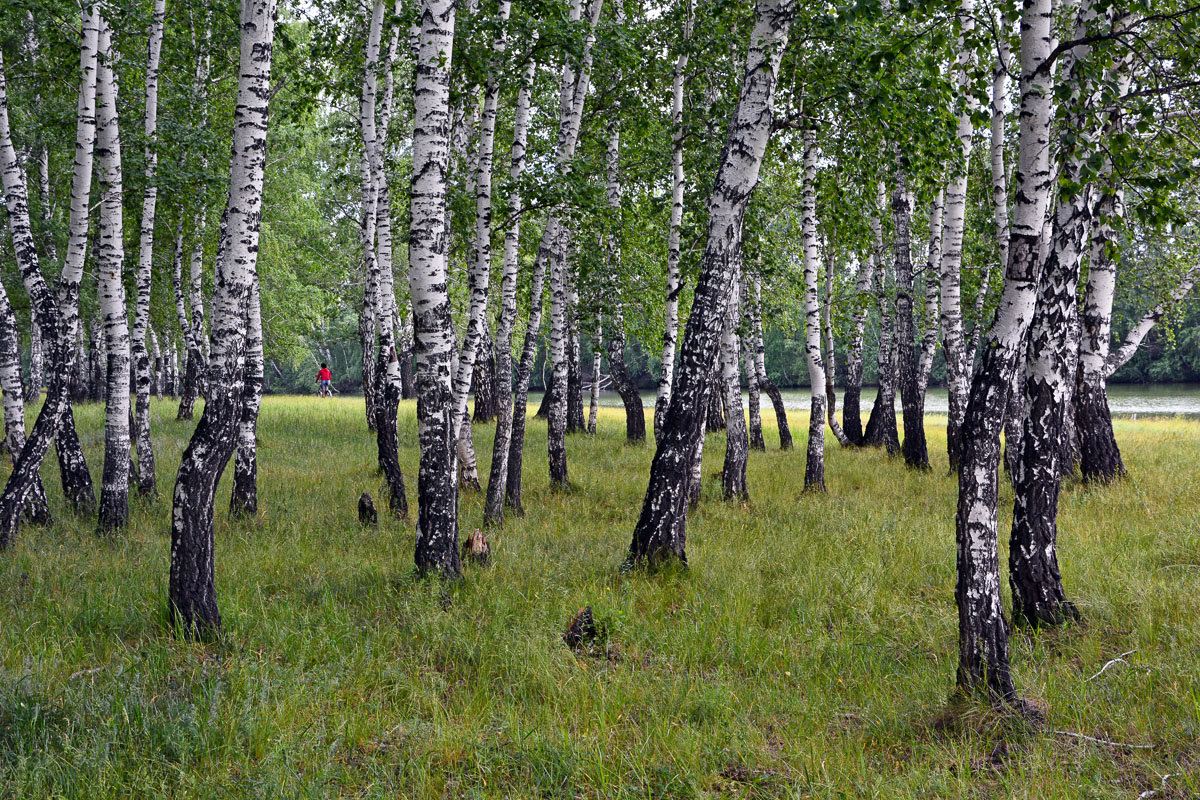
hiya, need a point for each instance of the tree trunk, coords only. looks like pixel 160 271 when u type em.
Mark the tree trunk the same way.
pixel 881 424
pixel 760 366
pixel 958 370
pixel 674 284
pixel 556 417
pixel 983 632
pixel 830 360
pixel 58 320
pixel 98 356
pixel 244 499
pixel 1100 457
pixel 814 468
pixel 36 369
pixel 715 405
pixel 575 422
pixel 929 338
pixel 147 480
pixel 912 399
pixel 479 276
pixel 506 407
pixel 852 396
pixel 754 403
pixel 433 334
pixel 114 487
pixel 660 532
pixel 737 442
pixel 635 416
pixel 594 388
pixel 192 593
pixel 484 383
pixel 14 405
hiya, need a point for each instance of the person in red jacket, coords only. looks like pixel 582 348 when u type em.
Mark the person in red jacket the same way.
pixel 325 381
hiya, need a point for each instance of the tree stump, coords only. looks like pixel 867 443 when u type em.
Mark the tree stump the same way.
pixel 475 548
pixel 366 510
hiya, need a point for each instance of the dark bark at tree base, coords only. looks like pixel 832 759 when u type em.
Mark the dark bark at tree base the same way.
pixel 73 471
pixel 407 389
pixel 1100 456
pixel 852 415
pixel 387 439
pixel 715 409
pixel 881 425
pixel 576 423
pixel 635 416
pixel 814 465
pixel 785 433
pixel 543 411
pixel 191 379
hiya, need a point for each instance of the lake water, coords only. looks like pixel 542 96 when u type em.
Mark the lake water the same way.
pixel 1123 399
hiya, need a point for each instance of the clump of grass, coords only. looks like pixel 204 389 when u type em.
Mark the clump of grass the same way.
pixel 808 651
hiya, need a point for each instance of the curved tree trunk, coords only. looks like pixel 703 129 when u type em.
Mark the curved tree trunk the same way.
pixel 14 405
pixel 660 532
pixel 433 334
pixel 192 598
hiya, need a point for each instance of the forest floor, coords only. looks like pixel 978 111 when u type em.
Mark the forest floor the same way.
pixel 809 651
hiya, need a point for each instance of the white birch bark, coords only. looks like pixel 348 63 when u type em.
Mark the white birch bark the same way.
pixel 493 510
pixel 594 389
pixel 192 592
pixel 434 350
pixel 932 293
pixel 814 470
pixel 983 632
pixel 958 371
pixel 674 285
pixel 737 440
pixel 110 261
pixel 661 529
pixel 479 275
pixel 147 481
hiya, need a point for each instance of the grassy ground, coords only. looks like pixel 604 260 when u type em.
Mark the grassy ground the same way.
pixel 808 652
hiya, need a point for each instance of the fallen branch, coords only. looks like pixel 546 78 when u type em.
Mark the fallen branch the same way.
pixel 1118 660
pixel 83 672
pixel 1086 738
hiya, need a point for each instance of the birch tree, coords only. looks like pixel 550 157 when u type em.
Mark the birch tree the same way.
pixel 814 468
pixel 737 440
pixel 506 406
pixel 661 529
pixel 147 480
pixel 192 598
pixel 433 335
pixel 983 631
pixel 912 399
pixel 58 319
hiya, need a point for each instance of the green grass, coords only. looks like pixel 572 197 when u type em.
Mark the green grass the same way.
pixel 808 652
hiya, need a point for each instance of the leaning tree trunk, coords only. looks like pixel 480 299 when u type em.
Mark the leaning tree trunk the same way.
pixel 506 407
pixel 147 481
pixel 737 441
pixel 958 371
pixel 192 593
pixel 661 529
pixel 814 468
pixel 244 499
pixel 14 404
pixel 760 367
pixel 983 632
pixel 1038 594
pixel 912 400
pixel 114 487
pixel 37 375
pixel 55 318
pixel 433 332
pixel 635 417
pixel 674 285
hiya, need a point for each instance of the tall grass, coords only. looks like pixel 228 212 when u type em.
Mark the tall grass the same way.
pixel 809 651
